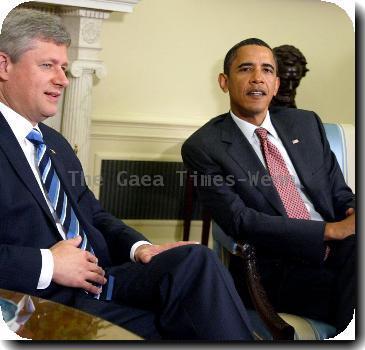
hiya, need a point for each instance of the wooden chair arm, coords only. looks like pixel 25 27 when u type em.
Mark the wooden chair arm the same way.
pixel 279 329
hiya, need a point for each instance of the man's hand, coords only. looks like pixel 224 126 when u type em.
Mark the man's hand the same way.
pixel 146 252
pixel 350 211
pixel 341 229
pixel 74 267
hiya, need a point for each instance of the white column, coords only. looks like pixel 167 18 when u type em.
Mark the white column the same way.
pixel 84 20
pixel 84 26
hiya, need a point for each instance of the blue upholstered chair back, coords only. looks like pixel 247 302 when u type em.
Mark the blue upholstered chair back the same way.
pixel 341 138
pixel 336 138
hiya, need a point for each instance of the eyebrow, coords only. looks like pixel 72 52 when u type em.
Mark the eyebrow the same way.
pixel 250 64
pixel 54 61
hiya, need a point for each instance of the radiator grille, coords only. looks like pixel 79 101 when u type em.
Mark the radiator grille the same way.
pixel 145 190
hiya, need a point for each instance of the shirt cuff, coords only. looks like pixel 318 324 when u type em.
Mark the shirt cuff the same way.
pixel 47 269
pixel 135 246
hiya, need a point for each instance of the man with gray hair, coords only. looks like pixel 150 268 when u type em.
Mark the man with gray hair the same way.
pixel 56 241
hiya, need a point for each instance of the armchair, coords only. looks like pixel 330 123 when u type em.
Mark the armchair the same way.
pixel 268 324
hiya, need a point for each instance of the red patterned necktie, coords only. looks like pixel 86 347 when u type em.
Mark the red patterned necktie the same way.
pixel 283 181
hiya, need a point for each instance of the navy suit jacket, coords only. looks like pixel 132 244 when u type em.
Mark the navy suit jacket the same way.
pixel 246 205
pixel 26 224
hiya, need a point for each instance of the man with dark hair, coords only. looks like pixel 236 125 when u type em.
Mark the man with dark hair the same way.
pixel 56 242
pixel 292 67
pixel 280 188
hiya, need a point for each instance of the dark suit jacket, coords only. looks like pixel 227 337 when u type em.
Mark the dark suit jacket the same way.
pixel 246 205
pixel 26 224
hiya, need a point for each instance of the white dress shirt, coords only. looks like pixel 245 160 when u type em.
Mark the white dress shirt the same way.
pixel 21 127
pixel 248 130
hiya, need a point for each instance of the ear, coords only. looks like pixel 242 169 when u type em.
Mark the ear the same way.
pixel 223 82
pixel 277 84
pixel 4 65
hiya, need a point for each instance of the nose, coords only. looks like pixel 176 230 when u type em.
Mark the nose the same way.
pixel 256 76
pixel 60 78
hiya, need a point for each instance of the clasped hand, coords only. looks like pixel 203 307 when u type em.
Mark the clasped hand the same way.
pixel 146 252
pixel 74 267
pixel 341 229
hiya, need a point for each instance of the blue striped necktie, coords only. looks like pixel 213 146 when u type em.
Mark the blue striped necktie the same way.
pixel 61 204
pixel 56 194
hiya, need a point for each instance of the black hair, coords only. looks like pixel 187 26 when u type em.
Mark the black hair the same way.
pixel 232 52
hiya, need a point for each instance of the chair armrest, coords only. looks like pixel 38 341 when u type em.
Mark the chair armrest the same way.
pixel 279 329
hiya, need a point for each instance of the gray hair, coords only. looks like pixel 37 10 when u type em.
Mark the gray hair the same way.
pixel 22 26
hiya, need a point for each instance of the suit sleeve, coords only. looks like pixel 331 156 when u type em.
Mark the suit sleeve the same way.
pixel 12 277
pixel 284 236
pixel 118 236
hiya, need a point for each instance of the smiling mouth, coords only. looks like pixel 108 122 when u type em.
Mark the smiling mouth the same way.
pixel 53 95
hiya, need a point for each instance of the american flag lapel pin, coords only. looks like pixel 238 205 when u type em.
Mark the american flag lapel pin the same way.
pixel 295 141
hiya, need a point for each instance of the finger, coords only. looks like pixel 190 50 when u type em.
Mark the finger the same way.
pixel 95 278
pixel 349 234
pixel 146 253
pixel 350 211
pixel 96 269
pixel 89 287
pixel 74 241
pixel 186 243
pixel 91 257
pixel 153 250
pixel 145 257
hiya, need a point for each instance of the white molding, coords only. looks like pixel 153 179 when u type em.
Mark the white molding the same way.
pixel 109 5
pixel 136 138
pixel 150 130
pixel 153 120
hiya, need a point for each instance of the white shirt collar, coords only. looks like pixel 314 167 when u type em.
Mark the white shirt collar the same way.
pixel 248 129
pixel 20 126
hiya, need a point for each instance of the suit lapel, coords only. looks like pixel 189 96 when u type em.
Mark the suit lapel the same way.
pixel 241 151
pixel 16 157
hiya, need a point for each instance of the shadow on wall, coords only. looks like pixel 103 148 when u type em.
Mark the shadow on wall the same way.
pixel 220 99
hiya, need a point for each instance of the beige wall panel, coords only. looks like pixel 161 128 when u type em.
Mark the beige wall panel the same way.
pixel 163 59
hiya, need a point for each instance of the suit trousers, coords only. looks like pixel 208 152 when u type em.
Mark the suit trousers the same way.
pixel 184 293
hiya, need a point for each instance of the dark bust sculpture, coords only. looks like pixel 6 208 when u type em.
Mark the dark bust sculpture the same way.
pixel 292 68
